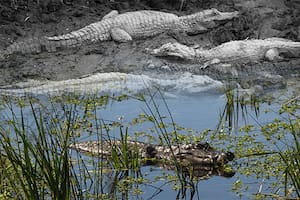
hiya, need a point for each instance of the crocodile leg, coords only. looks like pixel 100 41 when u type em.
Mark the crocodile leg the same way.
pixel 273 55
pixel 120 35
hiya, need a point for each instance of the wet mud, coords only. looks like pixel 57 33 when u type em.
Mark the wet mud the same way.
pixel 258 19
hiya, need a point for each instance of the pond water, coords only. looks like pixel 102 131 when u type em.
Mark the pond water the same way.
pixel 198 112
pixel 197 106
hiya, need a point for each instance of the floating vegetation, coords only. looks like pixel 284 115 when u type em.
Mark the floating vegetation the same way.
pixel 268 152
pixel 38 163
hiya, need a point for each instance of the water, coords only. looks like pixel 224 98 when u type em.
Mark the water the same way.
pixel 198 112
pixel 194 101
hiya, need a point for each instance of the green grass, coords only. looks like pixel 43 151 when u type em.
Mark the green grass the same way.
pixel 39 161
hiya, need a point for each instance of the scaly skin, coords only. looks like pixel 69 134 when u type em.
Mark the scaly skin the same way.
pixel 146 23
pixel 187 154
pixel 123 28
pixel 242 51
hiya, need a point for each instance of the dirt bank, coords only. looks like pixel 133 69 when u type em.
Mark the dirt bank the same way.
pixel 259 19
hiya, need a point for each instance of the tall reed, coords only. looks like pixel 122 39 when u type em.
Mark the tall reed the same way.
pixel 37 154
pixel 281 149
pixel 291 156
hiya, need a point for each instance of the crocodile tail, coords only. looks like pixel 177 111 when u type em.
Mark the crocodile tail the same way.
pixel 31 45
pixel 94 32
pixel 35 45
pixel 98 31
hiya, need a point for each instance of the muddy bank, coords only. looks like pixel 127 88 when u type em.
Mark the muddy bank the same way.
pixel 259 19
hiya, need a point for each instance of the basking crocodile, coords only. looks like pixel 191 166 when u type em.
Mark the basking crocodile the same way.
pixel 241 51
pixel 187 154
pixel 124 27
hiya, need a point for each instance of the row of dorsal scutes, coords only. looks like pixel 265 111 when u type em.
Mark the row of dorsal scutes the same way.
pixel 51 44
pixel 92 32
pixel 30 45
pixel 98 31
pixel 141 24
pixel 34 45
pixel 137 24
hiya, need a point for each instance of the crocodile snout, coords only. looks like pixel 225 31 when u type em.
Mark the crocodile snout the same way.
pixel 229 156
pixel 224 157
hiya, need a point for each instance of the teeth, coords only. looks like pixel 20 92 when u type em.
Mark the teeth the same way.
pixel 54 38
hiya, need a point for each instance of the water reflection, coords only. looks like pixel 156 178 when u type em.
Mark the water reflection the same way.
pixel 152 181
pixel 158 181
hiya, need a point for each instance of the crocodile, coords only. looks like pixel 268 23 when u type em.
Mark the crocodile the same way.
pixel 187 154
pixel 123 28
pixel 113 82
pixel 239 51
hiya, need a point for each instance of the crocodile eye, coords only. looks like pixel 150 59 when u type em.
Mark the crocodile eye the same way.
pixel 230 156
pixel 150 151
pixel 203 146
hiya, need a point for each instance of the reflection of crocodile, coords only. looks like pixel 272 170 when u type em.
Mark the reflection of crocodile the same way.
pixel 187 154
pixel 125 27
pixel 112 83
pixel 242 51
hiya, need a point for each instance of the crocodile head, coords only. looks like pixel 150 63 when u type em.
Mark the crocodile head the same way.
pixel 224 157
pixel 203 21
pixel 202 154
pixel 174 50
pixel 210 157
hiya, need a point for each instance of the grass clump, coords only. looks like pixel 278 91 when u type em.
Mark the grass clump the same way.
pixel 38 161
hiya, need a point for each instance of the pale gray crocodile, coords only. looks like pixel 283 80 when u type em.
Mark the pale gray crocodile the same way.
pixel 241 51
pixel 124 27
pixel 113 82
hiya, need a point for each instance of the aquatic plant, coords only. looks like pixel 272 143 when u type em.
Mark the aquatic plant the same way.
pixel 290 155
pixel 274 158
pixel 38 163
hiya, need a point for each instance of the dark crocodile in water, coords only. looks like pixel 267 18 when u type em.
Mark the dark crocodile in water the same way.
pixel 186 154
pixel 199 160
